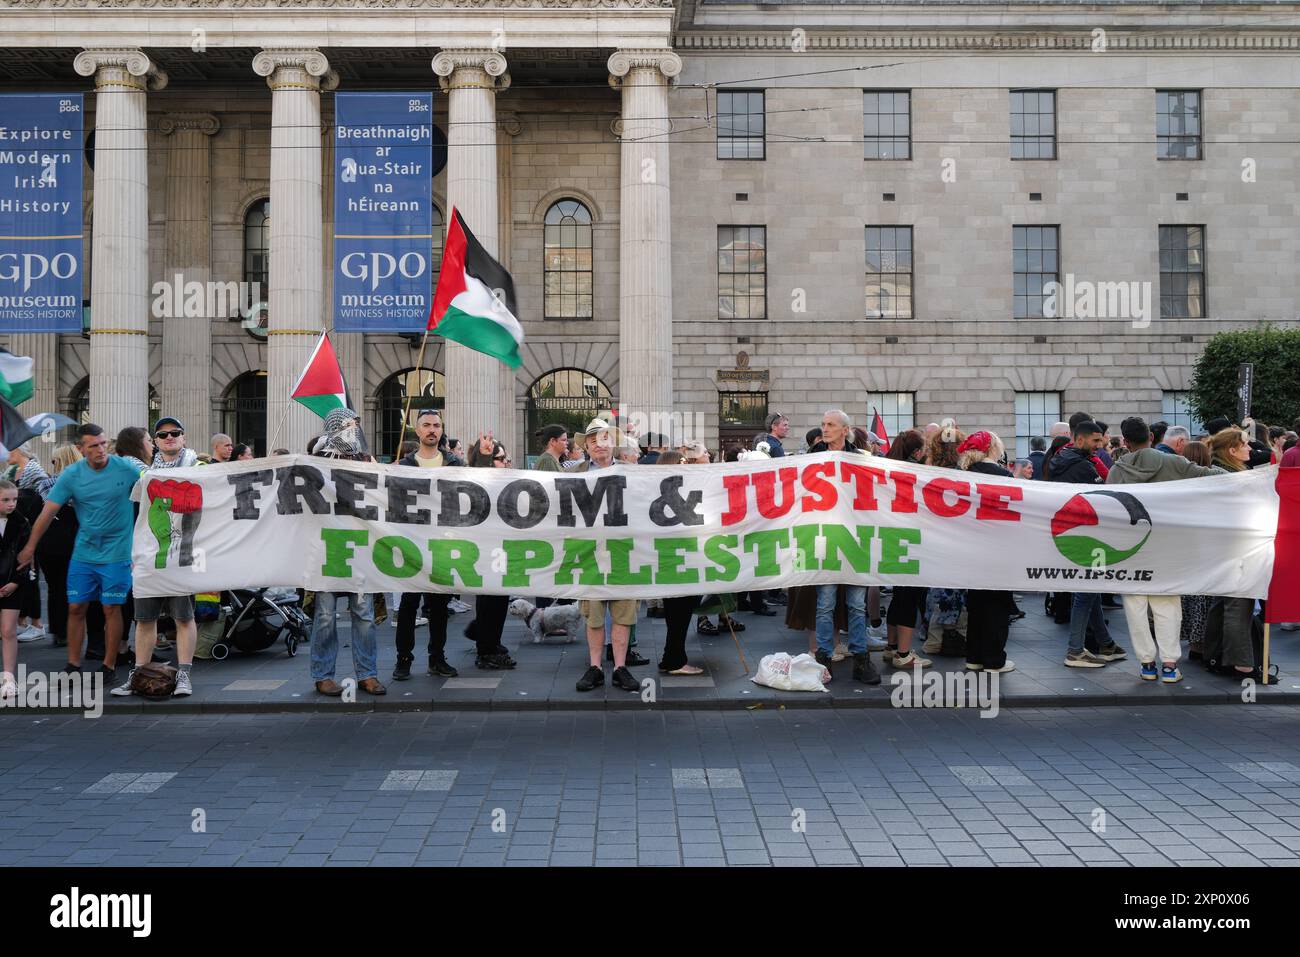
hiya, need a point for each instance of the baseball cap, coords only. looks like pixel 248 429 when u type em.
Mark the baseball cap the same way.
pixel 168 420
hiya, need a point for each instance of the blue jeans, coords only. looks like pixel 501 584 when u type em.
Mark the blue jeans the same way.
pixel 857 598
pixel 1085 610
pixel 325 636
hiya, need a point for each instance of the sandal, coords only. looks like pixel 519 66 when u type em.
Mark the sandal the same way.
pixel 730 622
pixel 683 670
pixel 705 627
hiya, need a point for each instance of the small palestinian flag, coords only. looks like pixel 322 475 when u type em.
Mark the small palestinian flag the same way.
pixel 321 387
pixel 15 377
pixel 14 430
pixel 878 427
pixel 474 303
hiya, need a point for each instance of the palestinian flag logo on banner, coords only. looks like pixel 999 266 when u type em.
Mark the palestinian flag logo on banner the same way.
pixel 474 303
pixel 1077 528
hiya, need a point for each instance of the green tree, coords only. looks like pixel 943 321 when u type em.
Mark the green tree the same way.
pixel 1276 355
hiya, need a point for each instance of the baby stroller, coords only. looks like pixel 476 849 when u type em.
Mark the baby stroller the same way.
pixel 256 618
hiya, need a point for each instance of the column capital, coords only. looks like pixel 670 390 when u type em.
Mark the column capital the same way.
pixel 471 68
pixel 294 69
pixel 205 123
pixel 119 68
pixel 623 62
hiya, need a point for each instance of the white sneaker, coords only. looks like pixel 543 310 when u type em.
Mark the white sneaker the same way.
pixel 457 607
pixel 1008 666
pixel 876 644
pixel 420 622
pixel 880 631
pixel 183 685
pixel 31 633
pixel 910 660
pixel 8 687
pixel 1285 626
pixel 124 689
pixel 840 653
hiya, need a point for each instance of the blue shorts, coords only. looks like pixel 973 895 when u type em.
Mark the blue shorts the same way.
pixel 106 584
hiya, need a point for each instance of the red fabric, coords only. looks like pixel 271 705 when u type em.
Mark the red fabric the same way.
pixel 979 441
pixel 878 427
pixel 1284 589
pixel 322 375
pixel 1291 458
pixel 451 275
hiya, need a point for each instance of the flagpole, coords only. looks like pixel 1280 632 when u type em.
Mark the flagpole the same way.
pixel 406 411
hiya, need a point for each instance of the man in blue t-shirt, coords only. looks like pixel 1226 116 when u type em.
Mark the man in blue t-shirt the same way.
pixel 99 489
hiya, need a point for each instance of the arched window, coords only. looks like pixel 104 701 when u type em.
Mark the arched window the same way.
pixel 439 239
pixel 567 261
pixel 567 397
pixel 257 247
pixel 427 390
pixel 243 413
pixel 79 405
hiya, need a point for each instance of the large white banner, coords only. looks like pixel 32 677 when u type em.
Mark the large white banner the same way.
pixel 652 531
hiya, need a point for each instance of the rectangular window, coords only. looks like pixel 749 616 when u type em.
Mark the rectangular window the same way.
pixel 742 272
pixel 889 272
pixel 1175 411
pixel 1182 272
pixel 1035 263
pixel 887 124
pixel 896 408
pixel 742 410
pixel 1033 124
pixel 741 124
pixel 1178 124
pixel 1036 413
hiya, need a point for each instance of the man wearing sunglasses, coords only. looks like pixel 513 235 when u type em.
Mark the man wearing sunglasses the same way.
pixel 171 453
pixel 169 439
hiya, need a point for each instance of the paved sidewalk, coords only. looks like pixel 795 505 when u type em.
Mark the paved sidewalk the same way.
pixel 272 682
pixel 1168 786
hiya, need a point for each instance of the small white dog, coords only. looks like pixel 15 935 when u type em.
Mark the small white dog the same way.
pixel 543 621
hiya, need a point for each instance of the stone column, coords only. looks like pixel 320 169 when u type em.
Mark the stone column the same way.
pixel 296 78
pixel 472 79
pixel 645 310
pixel 187 258
pixel 509 431
pixel 119 283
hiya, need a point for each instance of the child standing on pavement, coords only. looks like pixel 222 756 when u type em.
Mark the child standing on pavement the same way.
pixel 15 583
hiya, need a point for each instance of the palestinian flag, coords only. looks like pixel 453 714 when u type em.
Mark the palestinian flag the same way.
pixel 15 377
pixel 878 427
pixel 474 303
pixel 14 430
pixel 321 387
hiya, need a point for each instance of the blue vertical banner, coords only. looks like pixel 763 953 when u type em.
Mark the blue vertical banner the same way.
pixel 40 212
pixel 383 221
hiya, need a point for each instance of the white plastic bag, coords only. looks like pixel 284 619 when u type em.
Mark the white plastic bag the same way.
pixel 786 673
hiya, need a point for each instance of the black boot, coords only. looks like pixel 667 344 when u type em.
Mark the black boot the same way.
pixel 864 670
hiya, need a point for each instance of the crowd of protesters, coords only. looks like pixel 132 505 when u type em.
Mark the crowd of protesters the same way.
pixel 75 524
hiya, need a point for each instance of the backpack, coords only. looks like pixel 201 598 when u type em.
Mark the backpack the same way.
pixel 1223 640
pixel 156 682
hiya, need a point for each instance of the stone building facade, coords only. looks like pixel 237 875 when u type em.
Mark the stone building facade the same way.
pixel 725 161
